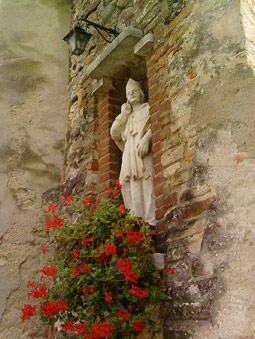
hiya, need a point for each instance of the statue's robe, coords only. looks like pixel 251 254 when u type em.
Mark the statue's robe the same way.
pixel 136 175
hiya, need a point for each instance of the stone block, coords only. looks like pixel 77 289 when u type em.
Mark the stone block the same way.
pixel 159 260
pixel 115 56
pixel 172 156
pixel 101 86
pixel 145 45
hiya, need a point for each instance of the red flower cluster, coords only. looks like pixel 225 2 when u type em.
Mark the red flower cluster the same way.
pixel 121 209
pixel 138 326
pixel 125 266
pixel 110 249
pixel 87 201
pixel 123 314
pixel 108 296
pixel 75 271
pixel 52 307
pixel 135 237
pixel 84 241
pixel 38 292
pixel 67 200
pixel 75 254
pixel 101 256
pixel 30 284
pixel 101 330
pixel 168 269
pixel 85 290
pixel 52 208
pixel 78 328
pixel 118 185
pixel 44 250
pixel 139 292
pixel 27 312
pixel 49 271
pixel 119 233
pixel 54 223
pixel 85 268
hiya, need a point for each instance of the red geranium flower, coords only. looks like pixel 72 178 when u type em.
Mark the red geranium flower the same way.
pixel 49 271
pixel 75 271
pixel 44 249
pixel 139 292
pixel 123 314
pixel 135 237
pixel 52 208
pixel 39 292
pixel 87 201
pixel 108 296
pixel 121 209
pixel 54 223
pixel 27 312
pixel 119 234
pixel 138 326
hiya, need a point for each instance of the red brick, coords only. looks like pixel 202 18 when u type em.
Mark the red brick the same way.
pixel 165 106
pixel 105 134
pixel 157 158
pixel 156 137
pixel 107 176
pixel 152 90
pixel 154 109
pixel 171 200
pixel 106 142
pixel 161 226
pixel 162 51
pixel 154 117
pixel 160 212
pixel 105 167
pixel 152 80
pixel 156 147
pixel 158 168
pixel 105 126
pixel 151 71
pixel 94 166
pixel 159 179
pixel 106 150
pixel 155 127
pixel 196 208
pixel 160 201
pixel 159 190
pixel 109 116
pixel 154 99
pixel 161 63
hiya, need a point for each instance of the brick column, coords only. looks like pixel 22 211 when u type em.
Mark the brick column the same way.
pixel 160 120
pixel 109 156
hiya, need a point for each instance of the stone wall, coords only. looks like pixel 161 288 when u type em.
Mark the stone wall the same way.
pixel 33 79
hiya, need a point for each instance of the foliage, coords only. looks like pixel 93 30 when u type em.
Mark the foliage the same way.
pixel 103 282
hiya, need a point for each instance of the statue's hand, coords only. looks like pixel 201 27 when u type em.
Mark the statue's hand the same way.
pixel 143 147
pixel 126 109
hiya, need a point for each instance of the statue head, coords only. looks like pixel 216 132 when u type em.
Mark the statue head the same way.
pixel 134 92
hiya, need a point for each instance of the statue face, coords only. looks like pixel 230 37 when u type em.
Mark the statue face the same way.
pixel 134 96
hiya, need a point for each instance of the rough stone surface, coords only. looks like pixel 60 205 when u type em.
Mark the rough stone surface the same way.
pixel 33 77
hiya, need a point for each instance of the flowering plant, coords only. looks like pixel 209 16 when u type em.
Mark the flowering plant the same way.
pixel 103 282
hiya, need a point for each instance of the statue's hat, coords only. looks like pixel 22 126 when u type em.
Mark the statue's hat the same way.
pixel 133 84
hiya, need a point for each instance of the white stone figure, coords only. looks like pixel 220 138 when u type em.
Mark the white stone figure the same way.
pixel 131 132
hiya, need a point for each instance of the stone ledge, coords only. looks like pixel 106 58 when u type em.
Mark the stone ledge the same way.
pixel 119 54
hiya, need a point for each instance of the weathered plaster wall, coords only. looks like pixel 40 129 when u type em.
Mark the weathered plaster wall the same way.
pixel 201 92
pixel 33 78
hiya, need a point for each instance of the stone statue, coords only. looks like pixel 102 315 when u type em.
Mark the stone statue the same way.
pixel 132 133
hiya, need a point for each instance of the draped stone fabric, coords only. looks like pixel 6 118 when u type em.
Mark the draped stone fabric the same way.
pixel 136 176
